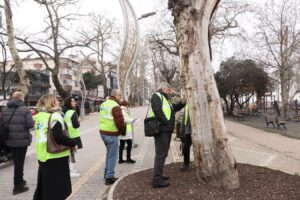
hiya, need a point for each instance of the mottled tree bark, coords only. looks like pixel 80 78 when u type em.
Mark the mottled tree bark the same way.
pixel 24 83
pixel 214 161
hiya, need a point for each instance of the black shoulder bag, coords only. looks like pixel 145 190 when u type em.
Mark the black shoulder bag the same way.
pixel 151 125
pixel 4 129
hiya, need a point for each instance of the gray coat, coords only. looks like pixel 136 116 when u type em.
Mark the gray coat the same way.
pixel 21 122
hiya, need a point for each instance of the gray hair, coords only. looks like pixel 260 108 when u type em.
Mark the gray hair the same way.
pixel 164 85
pixel 114 92
pixel 18 95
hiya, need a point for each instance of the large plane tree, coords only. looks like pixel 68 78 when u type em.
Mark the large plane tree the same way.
pixel 214 160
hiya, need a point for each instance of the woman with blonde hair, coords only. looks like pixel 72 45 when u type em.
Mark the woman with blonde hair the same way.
pixel 54 180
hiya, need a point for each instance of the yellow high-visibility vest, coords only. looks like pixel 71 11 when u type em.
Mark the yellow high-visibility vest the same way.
pixel 106 119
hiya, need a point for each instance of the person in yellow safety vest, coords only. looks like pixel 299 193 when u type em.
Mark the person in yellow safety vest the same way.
pixel 186 138
pixel 53 180
pixel 129 133
pixel 72 122
pixel 111 126
pixel 164 111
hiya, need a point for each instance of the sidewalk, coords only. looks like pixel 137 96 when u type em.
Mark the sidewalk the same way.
pixel 249 145
pixel 258 147
pixel 258 121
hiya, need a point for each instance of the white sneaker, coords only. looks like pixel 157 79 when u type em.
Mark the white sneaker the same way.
pixel 74 174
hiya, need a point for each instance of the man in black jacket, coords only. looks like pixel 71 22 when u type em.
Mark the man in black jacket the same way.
pixel 164 112
pixel 19 137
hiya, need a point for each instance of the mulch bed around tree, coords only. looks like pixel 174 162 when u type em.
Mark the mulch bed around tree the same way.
pixel 255 183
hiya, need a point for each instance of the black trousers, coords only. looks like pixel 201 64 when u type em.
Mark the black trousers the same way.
pixel 162 145
pixel 121 148
pixel 19 154
pixel 186 147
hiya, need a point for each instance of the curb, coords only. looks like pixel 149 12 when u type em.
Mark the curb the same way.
pixel 112 188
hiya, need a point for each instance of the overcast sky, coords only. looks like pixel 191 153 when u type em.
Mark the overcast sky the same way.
pixel 28 15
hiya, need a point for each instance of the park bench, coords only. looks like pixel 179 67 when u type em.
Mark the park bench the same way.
pixel 237 115
pixel 255 112
pixel 243 111
pixel 271 119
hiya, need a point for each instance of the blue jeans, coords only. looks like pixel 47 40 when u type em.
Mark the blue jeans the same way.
pixel 112 148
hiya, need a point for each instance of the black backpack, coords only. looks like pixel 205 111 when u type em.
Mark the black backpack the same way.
pixel 4 130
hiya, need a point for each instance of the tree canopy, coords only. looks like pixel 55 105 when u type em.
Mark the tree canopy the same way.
pixel 241 78
pixel 91 80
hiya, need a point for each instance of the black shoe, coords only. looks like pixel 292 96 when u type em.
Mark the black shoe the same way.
pixel 160 184
pixel 23 183
pixel 165 178
pixel 109 181
pixel 130 161
pixel 121 161
pixel 184 168
pixel 19 189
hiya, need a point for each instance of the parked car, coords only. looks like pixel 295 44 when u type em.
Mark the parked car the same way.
pixel 33 110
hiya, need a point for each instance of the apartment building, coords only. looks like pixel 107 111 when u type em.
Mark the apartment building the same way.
pixel 43 84
pixel 110 73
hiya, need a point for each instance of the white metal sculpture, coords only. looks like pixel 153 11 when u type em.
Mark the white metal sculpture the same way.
pixel 130 46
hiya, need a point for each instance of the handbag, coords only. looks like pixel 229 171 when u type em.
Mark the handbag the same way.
pixel 151 125
pixel 52 145
pixel 4 130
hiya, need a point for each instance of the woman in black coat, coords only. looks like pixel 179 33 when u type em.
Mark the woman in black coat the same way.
pixel 54 180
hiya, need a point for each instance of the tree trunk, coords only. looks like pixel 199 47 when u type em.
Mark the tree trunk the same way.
pixel 284 97
pixel 61 91
pixel 214 161
pixel 24 83
pixel 104 82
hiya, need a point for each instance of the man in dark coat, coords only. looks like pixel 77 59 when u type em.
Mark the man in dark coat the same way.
pixel 186 139
pixel 166 127
pixel 19 136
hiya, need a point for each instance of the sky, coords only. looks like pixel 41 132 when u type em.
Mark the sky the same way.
pixel 28 15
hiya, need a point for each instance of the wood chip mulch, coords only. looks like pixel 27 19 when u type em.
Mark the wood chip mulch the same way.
pixel 256 183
